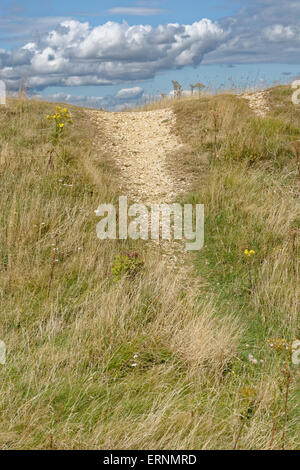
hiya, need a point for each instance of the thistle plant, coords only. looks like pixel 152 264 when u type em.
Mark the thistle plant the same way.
pixel 177 88
pixel 284 373
pixel 199 86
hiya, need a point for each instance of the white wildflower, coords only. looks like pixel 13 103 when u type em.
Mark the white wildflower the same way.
pixel 252 359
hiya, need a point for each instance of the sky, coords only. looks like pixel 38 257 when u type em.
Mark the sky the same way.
pixel 119 53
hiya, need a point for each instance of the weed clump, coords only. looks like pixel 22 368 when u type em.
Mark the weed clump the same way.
pixel 129 264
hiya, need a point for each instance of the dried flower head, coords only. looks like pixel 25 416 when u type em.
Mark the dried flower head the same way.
pixel 279 344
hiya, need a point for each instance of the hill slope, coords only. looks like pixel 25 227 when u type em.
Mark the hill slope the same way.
pixel 149 359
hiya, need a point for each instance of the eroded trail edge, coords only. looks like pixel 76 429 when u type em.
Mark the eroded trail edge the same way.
pixel 258 102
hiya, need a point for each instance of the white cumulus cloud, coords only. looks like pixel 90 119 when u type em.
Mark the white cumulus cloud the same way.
pixel 75 53
pixel 130 93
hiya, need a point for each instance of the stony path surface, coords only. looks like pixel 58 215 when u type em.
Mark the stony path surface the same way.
pixel 140 143
pixel 258 102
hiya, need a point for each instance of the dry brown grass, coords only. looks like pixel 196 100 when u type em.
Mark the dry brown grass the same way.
pixel 167 101
pixel 69 381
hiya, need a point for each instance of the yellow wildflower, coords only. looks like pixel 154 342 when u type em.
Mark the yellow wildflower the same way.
pixel 249 253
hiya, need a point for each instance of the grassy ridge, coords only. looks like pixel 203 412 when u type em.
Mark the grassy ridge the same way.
pixel 250 193
pixel 145 362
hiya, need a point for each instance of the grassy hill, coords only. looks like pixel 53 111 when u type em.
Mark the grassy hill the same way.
pixel 96 360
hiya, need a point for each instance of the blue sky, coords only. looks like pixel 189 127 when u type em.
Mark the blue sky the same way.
pixel 97 12
pixel 68 50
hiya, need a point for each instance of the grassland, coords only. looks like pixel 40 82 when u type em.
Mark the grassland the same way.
pixel 73 332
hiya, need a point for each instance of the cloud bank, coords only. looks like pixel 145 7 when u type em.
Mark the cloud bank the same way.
pixel 265 31
pixel 76 54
